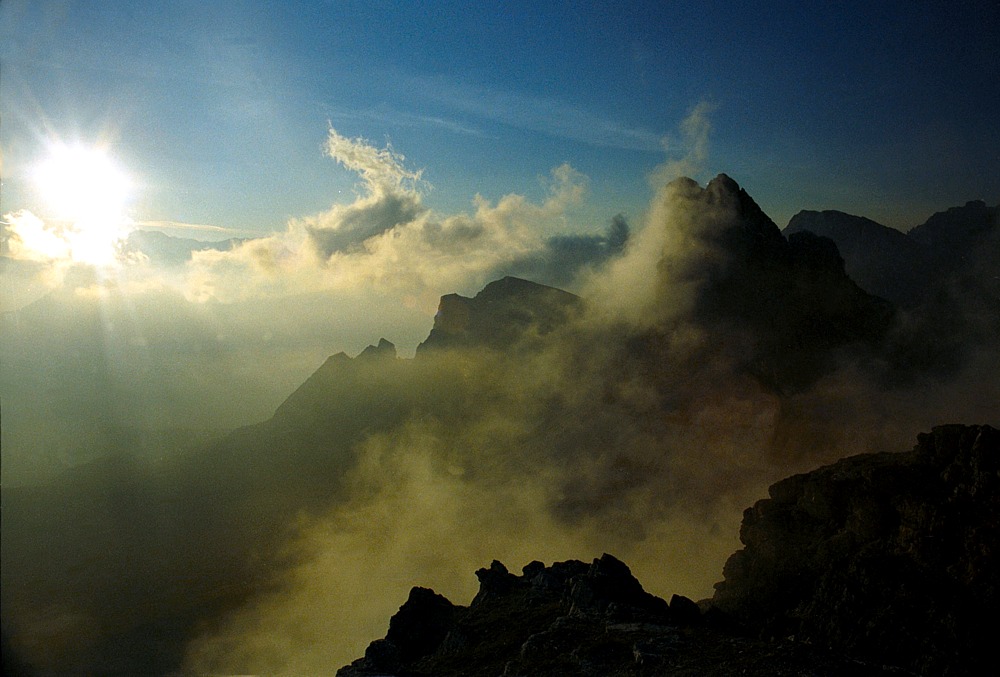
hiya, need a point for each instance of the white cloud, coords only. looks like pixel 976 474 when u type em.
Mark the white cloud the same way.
pixel 381 169
pixel 387 241
pixel 691 144
pixel 27 237
pixel 266 311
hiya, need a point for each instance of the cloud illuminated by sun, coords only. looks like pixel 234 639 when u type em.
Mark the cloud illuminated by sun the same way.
pixel 84 193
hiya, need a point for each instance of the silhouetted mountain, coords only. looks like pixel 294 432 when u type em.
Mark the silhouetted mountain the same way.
pixel 784 308
pixel 731 357
pixel 948 250
pixel 942 274
pixel 951 233
pixel 882 260
pixel 876 564
pixel 503 313
pixel 963 244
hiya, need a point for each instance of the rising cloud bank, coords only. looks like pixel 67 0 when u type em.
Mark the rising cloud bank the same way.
pixel 707 356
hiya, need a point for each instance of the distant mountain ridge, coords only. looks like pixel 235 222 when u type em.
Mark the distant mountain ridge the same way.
pixel 171 251
pixel 907 268
pixel 882 260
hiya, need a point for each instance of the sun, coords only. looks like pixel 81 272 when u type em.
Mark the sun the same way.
pixel 85 193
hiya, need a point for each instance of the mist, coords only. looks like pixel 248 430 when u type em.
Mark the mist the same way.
pixel 643 424
pixel 704 356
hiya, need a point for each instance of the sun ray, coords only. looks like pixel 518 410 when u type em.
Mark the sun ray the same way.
pixel 85 195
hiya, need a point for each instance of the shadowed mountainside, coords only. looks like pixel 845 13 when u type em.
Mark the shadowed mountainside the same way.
pixel 883 260
pixel 505 312
pixel 941 274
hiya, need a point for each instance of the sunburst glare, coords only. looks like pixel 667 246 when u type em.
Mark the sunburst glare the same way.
pixel 85 194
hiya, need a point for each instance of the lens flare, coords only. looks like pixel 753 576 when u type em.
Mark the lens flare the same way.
pixel 86 193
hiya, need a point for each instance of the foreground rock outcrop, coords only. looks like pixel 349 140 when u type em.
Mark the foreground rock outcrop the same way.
pixel 574 618
pixel 877 564
pixel 890 557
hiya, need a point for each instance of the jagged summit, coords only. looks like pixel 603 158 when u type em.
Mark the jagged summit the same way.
pixel 784 304
pixel 359 385
pixel 384 349
pixel 724 213
pixel 542 622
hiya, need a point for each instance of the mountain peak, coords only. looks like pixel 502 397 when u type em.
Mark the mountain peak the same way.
pixel 723 183
pixel 958 226
pixel 500 315
pixel 512 287
pixel 384 349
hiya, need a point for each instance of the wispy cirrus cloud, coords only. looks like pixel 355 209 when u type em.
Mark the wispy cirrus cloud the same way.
pixel 392 117
pixel 181 225
pixel 545 114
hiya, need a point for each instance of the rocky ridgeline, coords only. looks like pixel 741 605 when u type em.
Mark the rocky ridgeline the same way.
pixel 574 618
pixel 877 564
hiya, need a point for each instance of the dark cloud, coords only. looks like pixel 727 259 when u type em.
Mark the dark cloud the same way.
pixel 563 258
pixel 363 220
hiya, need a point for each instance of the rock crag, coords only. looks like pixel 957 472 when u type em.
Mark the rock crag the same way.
pixel 888 557
pixel 504 313
pixel 574 618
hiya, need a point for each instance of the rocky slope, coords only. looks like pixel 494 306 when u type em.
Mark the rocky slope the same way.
pixel 574 618
pixel 877 564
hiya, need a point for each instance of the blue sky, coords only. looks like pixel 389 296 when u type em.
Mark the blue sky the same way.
pixel 220 110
